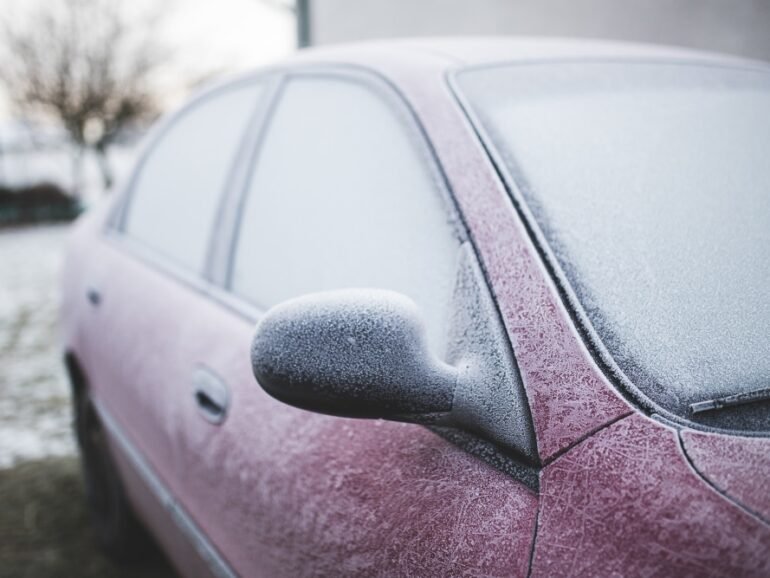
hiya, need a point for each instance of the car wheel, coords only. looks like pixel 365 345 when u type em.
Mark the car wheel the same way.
pixel 118 531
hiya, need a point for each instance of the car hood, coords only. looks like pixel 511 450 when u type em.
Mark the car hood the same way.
pixel 739 467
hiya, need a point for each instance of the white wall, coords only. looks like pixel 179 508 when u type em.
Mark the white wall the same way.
pixel 735 26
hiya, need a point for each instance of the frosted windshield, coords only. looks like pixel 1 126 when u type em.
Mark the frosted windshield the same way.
pixel 651 185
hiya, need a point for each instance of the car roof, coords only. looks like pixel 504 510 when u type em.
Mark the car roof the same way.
pixel 459 52
pixel 407 60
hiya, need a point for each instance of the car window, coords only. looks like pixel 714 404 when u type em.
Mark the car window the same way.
pixel 345 194
pixel 177 189
pixel 651 185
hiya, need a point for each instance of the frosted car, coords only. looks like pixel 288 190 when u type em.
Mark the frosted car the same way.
pixel 506 303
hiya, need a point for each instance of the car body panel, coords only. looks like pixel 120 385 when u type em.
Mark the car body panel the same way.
pixel 626 502
pixel 141 381
pixel 737 466
pixel 94 263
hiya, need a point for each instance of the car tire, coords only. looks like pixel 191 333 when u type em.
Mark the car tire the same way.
pixel 117 529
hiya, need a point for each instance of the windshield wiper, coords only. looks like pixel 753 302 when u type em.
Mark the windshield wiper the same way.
pixel 731 400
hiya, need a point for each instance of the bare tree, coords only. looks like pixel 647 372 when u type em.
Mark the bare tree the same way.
pixel 88 65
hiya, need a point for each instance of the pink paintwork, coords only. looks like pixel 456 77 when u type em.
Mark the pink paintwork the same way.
pixel 625 502
pixel 737 466
pixel 282 492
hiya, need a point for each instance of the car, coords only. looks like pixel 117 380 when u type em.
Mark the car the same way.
pixel 437 307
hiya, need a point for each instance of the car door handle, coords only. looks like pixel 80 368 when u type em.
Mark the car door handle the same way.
pixel 211 395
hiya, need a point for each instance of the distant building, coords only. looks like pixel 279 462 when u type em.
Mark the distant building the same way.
pixel 740 27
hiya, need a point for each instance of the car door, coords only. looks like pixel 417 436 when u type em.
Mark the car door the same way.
pixel 149 279
pixel 344 192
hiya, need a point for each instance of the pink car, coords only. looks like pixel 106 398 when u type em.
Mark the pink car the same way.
pixel 539 270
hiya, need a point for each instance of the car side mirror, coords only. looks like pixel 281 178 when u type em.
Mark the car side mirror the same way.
pixel 353 353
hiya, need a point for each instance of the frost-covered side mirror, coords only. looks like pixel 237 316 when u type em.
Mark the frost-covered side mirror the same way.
pixel 364 353
pixel 353 353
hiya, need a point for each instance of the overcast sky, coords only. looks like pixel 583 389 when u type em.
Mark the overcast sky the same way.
pixel 207 35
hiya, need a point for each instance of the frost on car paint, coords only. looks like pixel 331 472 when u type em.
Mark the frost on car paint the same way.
pixel 731 465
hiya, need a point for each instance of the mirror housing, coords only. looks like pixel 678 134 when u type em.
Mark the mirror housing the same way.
pixel 363 353
pixel 353 353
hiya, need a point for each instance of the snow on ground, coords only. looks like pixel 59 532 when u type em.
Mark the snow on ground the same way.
pixel 35 413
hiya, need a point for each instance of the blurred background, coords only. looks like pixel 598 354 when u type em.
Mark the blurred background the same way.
pixel 80 83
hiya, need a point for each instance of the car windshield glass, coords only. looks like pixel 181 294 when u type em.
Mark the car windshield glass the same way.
pixel 650 184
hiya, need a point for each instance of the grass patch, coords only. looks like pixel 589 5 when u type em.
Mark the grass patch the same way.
pixel 44 527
